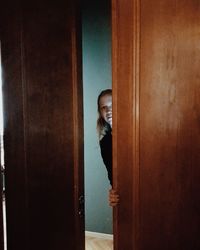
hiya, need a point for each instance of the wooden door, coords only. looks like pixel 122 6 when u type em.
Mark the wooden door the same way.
pixel 42 93
pixel 1 210
pixel 156 127
pixel 1 188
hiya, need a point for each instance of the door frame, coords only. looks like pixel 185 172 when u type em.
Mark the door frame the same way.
pixel 125 80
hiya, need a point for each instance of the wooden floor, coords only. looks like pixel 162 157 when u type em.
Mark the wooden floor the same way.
pixel 98 243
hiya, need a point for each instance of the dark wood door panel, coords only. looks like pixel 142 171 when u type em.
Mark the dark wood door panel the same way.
pixel 1 216
pixel 156 136
pixel 169 126
pixel 43 124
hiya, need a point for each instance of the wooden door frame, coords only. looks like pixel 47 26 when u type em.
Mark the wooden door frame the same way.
pixel 125 84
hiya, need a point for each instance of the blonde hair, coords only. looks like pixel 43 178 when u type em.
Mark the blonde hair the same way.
pixel 102 126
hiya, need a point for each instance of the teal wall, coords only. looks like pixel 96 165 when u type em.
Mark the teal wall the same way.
pixel 96 35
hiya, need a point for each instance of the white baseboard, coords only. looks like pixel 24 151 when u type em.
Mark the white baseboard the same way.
pixel 99 235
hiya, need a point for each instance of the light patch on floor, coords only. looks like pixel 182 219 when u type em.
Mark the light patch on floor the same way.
pixel 97 241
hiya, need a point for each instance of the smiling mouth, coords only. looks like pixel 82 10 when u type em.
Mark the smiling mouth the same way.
pixel 109 119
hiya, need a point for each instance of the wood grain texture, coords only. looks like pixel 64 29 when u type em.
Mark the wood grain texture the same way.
pixel 125 68
pixel 1 212
pixel 1 189
pixel 43 111
pixel 169 125
pixel 156 110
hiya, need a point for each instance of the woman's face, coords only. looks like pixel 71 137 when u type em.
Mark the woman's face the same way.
pixel 105 107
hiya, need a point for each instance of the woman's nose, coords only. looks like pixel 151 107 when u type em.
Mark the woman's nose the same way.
pixel 109 109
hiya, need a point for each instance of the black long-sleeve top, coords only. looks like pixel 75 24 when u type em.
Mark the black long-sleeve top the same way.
pixel 106 153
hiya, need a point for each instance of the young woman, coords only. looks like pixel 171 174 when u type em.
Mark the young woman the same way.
pixel 104 128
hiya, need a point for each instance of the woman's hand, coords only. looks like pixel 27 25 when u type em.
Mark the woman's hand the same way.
pixel 113 198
